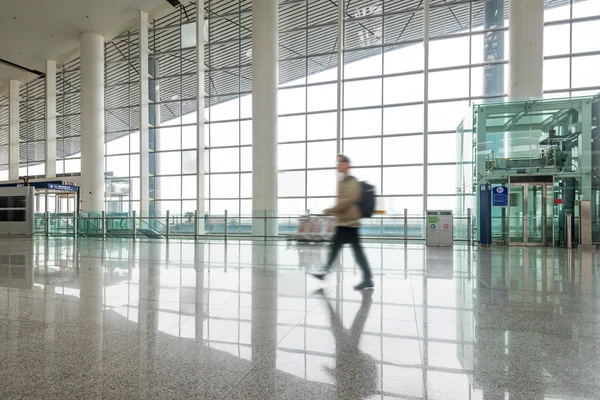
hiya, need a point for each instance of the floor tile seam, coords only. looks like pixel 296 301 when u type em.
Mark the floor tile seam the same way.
pixel 269 353
pixel 423 372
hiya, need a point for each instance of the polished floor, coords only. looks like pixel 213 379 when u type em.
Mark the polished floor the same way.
pixel 87 319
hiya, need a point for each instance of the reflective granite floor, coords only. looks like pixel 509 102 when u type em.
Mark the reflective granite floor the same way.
pixel 116 320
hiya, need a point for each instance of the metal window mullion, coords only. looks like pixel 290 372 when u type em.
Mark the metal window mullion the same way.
pixel 425 98
pixel 381 123
pixel 570 47
pixel 340 74
pixel 239 82
pixel 306 109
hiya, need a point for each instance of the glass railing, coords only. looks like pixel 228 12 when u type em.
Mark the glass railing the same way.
pixel 383 227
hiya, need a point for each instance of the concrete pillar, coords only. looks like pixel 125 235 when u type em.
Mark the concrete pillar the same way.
pixel 200 41
pixel 144 53
pixel 50 119
pixel 13 130
pixel 526 36
pixel 265 77
pixel 92 122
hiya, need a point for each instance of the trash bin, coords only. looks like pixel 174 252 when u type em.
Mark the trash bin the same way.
pixel 440 228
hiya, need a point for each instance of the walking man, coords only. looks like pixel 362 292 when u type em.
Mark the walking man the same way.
pixel 347 219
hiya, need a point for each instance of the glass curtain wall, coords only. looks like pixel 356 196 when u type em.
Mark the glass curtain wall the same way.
pixel 32 128
pixel 571 48
pixel 122 120
pixel 412 161
pixel 173 119
pixel 68 119
pixel 4 138
pixel 228 86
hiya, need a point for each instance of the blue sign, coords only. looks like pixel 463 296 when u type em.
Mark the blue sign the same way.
pixel 54 186
pixel 500 196
pixel 432 226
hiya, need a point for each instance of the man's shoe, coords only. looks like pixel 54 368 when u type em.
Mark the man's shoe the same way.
pixel 367 285
pixel 320 276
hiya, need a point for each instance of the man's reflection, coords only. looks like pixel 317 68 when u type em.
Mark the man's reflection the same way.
pixel 355 372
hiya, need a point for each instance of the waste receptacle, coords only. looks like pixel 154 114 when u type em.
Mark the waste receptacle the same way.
pixel 440 228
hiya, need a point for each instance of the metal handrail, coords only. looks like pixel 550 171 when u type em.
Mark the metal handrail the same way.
pixel 404 223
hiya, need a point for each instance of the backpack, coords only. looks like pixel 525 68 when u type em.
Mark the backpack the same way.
pixel 367 200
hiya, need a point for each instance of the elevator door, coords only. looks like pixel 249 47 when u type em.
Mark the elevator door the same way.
pixel 531 214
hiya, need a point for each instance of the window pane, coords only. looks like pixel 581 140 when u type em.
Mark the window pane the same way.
pixel 246 185
pixel 291 206
pixel 291 101
pixel 168 163
pixel 371 175
pixel 369 63
pixel 134 162
pixel 403 150
pixel 442 148
pixel 322 154
pixel 291 129
pixel 188 162
pixel 556 39
pixel 118 165
pixel 322 126
pixel 291 184
pixel 585 71
pixel 317 205
pixel 322 97
pixel 556 74
pixel 362 93
pixel 225 186
pixel 402 180
pixel 168 187
pixel 362 123
pixel 218 207
pixel 477 80
pixel 447 116
pixel 188 137
pixel 396 205
pixel 189 187
pixel 404 119
pixel 292 156
pixel 134 140
pixel 117 146
pixel 441 179
pixel 224 160
pixel 174 208
pixel 449 52
pixel 224 134
pixel 226 110
pixel 246 132
pixel 403 89
pixel 321 183
pixel 449 84
pixel 246 159
pixel 404 59
pixel 363 151
pixel 72 165
pixel 168 138
pixel 582 9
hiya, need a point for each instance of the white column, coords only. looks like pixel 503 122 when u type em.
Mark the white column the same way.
pixel 340 76
pixel 50 119
pixel 200 41
pixel 526 36
pixel 92 122
pixel 265 77
pixel 13 130
pixel 144 54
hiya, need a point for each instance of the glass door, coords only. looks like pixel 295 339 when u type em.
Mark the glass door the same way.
pixel 536 211
pixel 531 214
pixel 516 203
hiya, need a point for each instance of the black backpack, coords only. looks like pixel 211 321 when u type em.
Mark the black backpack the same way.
pixel 367 200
